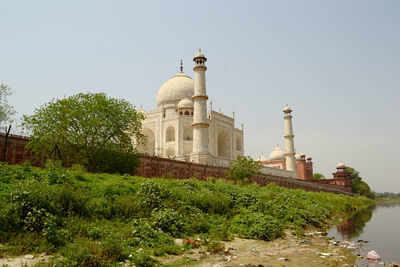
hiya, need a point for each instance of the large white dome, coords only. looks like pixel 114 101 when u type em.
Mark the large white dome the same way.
pixel 277 153
pixel 175 89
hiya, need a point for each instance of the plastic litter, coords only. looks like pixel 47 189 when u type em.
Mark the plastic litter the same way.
pixel 372 255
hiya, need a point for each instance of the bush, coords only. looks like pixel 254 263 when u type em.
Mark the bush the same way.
pixel 169 221
pixel 243 168
pixel 257 226
pixel 144 234
pixel 110 161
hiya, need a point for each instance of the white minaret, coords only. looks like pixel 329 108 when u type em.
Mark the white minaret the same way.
pixel 200 124
pixel 289 143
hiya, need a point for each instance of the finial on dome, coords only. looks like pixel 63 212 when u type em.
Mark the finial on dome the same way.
pixel 181 67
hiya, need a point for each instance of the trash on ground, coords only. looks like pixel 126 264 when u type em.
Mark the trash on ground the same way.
pixel 372 255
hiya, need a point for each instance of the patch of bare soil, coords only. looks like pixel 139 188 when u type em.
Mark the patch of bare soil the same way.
pixel 288 251
pixel 24 260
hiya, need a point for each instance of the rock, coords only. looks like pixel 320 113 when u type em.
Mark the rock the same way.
pixel 325 254
pixel 228 258
pixel 304 241
pixel 28 257
pixel 372 255
pixel 178 242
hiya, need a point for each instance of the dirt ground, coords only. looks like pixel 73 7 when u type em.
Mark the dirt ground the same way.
pixel 25 260
pixel 311 251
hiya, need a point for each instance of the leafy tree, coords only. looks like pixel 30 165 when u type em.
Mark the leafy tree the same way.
pixel 318 176
pixel 243 168
pixel 358 186
pixel 78 128
pixel 6 110
pixel 6 114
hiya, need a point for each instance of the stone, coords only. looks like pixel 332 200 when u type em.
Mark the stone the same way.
pixel 178 242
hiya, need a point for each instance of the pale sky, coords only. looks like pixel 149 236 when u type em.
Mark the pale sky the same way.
pixel 337 63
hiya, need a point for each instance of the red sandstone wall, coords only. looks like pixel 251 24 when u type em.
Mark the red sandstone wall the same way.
pixel 15 149
pixel 162 167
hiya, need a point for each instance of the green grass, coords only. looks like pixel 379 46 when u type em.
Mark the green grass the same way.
pixel 103 219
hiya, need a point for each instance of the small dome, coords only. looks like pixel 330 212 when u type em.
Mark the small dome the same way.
pixel 298 156
pixel 340 165
pixel 185 103
pixel 262 158
pixel 199 54
pixel 277 153
pixel 175 89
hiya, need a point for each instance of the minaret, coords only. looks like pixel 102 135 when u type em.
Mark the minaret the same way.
pixel 200 124
pixel 289 143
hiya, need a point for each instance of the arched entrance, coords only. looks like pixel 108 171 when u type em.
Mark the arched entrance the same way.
pixel 170 134
pixel 224 145
pixel 148 144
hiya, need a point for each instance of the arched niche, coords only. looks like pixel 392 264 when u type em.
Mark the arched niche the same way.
pixel 170 134
pixel 238 143
pixel 148 144
pixel 188 133
pixel 224 144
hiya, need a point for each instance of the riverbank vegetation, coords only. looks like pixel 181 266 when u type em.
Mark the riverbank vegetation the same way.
pixel 90 219
pixel 358 185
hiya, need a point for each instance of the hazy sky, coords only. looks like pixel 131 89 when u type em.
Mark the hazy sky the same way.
pixel 337 63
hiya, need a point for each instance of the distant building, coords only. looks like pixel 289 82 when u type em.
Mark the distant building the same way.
pixel 304 167
pixel 288 159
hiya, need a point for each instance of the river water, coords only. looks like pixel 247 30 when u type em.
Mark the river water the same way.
pixel 379 226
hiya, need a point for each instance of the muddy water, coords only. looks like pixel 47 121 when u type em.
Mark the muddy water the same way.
pixel 380 226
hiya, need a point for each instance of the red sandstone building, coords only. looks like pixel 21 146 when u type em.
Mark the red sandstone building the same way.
pixel 277 159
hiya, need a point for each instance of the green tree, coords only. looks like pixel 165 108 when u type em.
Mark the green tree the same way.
pixel 243 168
pixel 78 128
pixel 358 186
pixel 6 110
pixel 318 176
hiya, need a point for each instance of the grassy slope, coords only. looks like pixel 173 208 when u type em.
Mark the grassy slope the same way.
pixel 98 219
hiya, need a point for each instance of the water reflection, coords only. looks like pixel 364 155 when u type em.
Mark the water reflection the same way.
pixel 379 226
pixel 353 227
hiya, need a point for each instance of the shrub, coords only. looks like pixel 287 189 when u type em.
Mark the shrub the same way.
pixel 111 161
pixel 144 260
pixel 169 221
pixel 243 168
pixel 257 226
pixel 152 195
pixel 113 248
pixel 144 234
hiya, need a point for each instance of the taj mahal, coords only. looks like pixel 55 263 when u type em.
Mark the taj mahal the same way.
pixel 185 127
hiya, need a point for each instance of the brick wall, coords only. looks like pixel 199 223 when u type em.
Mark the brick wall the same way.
pixel 15 151
pixel 162 167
